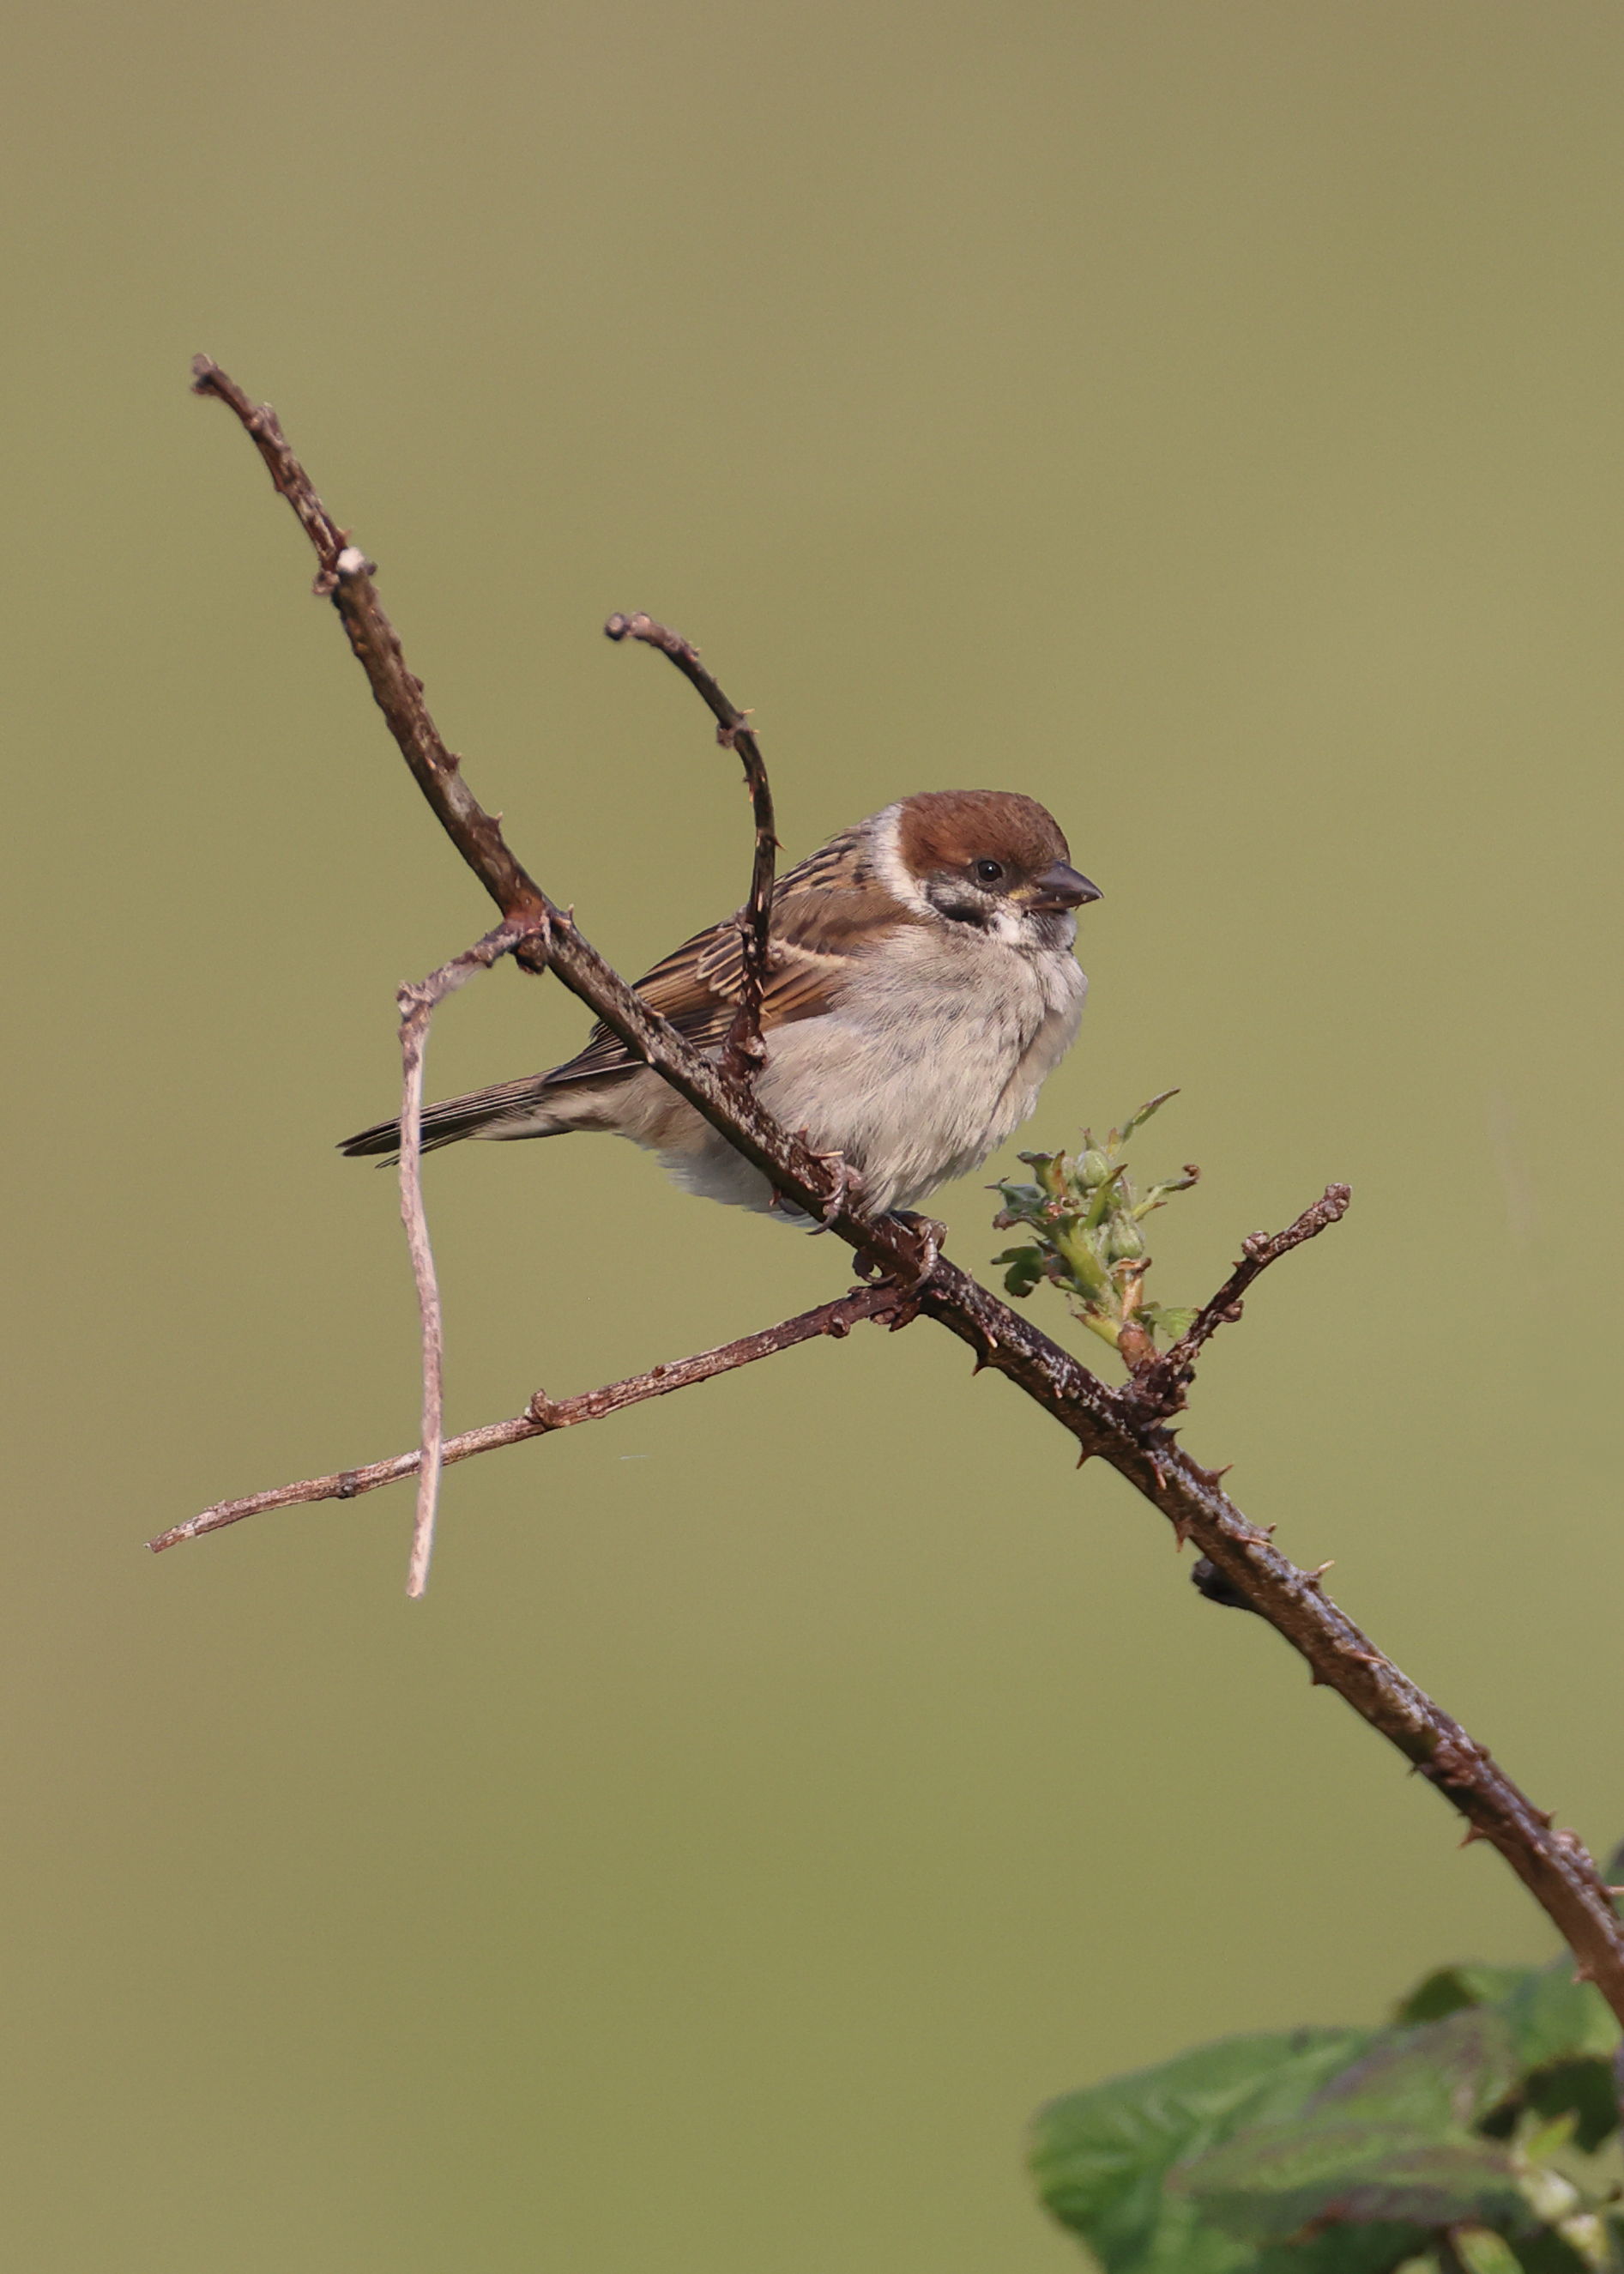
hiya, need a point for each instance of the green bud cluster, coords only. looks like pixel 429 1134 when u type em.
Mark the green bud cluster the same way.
pixel 1085 1224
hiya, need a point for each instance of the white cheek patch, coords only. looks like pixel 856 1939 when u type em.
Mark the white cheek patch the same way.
pixel 888 865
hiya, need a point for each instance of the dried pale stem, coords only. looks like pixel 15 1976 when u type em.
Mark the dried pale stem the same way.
pixel 417 1006
pixel 744 1050
pixel 543 1415
pixel 1108 1424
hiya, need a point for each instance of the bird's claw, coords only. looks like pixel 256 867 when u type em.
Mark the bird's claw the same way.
pixel 930 1235
pixel 847 1185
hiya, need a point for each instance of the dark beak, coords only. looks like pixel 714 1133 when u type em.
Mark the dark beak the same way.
pixel 1060 887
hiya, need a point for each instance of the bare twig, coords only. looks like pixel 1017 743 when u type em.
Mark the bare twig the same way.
pixel 1158 1388
pixel 1108 1424
pixel 418 1005
pixel 543 1415
pixel 744 1051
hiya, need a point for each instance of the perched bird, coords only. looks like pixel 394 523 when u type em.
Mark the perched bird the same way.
pixel 922 989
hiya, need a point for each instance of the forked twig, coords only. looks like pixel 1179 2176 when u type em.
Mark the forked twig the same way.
pixel 744 1050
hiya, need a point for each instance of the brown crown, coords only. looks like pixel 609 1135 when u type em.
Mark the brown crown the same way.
pixel 949 828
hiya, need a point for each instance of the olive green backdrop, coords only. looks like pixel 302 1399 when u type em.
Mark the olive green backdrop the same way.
pixel 1203 417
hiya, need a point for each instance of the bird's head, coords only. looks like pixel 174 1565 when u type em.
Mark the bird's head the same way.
pixel 990 858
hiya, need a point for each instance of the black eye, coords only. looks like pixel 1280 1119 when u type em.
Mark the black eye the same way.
pixel 989 872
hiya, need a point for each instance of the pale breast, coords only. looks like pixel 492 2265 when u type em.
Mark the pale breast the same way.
pixel 928 1066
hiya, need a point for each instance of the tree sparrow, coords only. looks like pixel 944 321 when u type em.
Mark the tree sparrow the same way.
pixel 921 988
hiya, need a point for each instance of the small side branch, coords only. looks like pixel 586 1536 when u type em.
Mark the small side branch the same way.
pixel 543 1414
pixel 417 1006
pixel 744 1050
pixel 1159 1388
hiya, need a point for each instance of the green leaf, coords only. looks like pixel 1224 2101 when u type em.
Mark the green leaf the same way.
pixel 1440 2079
pixel 1481 2251
pixel 1589 2242
pixel 1583 2094
pixel 1026 1268
pixel 1563 2038
pixel 1157 1196
pixel 1545 2138
pixel 1268 2185
pixel 1391 2139
pixel 1553 2018
pixel 1139 1119
pixel 1085 1221
pixel 1452 1987
pixel 1374 2249
pixel 1546 2253
pixel 1349 2152
pixel 1101 2156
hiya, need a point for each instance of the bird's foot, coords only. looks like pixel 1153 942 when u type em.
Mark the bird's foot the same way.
pixel 848 1183
pixel 930 1235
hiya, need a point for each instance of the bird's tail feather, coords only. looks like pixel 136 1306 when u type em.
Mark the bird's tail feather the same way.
pixel 480 1114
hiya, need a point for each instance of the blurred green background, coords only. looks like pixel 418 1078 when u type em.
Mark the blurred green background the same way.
pixel 1204 418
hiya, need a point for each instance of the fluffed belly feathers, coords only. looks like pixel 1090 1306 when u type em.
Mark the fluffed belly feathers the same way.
pixel 911 1085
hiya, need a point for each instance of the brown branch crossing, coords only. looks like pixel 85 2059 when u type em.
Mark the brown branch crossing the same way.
pixel 1109 1425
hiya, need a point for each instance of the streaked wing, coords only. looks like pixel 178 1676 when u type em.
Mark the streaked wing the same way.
pixel 820 915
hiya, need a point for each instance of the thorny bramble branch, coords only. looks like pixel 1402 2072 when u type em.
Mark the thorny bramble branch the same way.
pixel 544 1414
pixel 744 1053
pixel 1108 1424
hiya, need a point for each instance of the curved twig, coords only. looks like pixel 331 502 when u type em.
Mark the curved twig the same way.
pixel 744 1053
